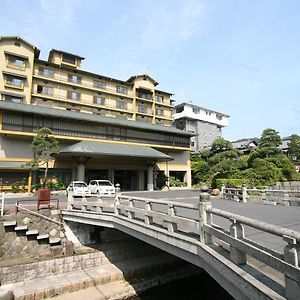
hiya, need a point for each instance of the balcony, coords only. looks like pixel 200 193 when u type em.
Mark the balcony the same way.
pixel 83 102
pixel 83 85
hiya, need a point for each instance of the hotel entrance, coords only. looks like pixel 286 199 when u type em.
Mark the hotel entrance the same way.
pixel 128 179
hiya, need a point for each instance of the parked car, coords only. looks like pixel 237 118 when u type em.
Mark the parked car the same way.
pixel 102 188
pixel 78 189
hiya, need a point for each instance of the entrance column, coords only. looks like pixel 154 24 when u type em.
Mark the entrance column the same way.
pixel 150 178
pixel 111 176
pixel 141 180
pixel 81 162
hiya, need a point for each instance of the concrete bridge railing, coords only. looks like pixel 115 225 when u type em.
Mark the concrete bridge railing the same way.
pixel 194 224
pixel 285 197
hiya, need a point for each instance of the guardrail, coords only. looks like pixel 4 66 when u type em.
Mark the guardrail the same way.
pixel 170 216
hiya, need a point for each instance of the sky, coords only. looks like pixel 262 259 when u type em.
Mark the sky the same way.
pixel 237 57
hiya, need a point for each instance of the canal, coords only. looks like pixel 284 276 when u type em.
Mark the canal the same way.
pixel 200 286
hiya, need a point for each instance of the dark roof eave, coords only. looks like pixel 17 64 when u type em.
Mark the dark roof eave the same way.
pixel 58 113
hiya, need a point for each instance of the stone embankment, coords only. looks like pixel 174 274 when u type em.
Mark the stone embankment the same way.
pixel 117 267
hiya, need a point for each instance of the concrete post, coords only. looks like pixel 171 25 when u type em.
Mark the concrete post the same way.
pixel 130 213
pixel 204 204
pixel 244 193
pixel 172 227
pixel 83 203
pixel 148 219
pixel 117 202
pixel 237 232
pixel 222 191
pixel 150 178
pixel 292 256
pixel 99 204
pixel 188 178
pixel 70 201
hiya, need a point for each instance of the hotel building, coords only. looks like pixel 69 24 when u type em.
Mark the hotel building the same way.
pixel 204 123
pixel 106 127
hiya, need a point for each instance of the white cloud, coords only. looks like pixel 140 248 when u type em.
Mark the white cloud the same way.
pixel 170 24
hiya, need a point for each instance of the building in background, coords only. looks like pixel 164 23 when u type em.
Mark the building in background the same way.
pixel 245 145
pixel 204 123
pixel 107 128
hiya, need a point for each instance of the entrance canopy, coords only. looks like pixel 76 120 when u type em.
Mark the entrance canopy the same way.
pixel 88 148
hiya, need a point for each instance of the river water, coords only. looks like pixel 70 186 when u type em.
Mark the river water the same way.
pixel 200 287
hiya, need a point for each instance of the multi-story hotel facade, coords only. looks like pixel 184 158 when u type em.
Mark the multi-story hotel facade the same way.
pixel 106 127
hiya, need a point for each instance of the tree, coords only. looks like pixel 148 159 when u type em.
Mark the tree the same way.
pixel 294 147
pixel 268 146
pixel 43 146
pixel 270 139
pixel 220 145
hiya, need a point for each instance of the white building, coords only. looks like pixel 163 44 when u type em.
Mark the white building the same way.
pixel 205 123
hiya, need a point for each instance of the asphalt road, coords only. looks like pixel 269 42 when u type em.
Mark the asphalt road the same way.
pixel 284 216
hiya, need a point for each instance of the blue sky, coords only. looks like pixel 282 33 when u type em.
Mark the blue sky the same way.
pixel 238 57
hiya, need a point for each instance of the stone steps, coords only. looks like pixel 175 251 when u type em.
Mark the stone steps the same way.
pixel 33 234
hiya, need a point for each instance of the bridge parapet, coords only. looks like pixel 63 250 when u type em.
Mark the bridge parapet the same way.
pixel 189 227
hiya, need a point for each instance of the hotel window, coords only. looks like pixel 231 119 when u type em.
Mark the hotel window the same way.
pixel 196 110
pixel 74 78
pixel 122 89
pixel 99 100
pixel 15 61
pixel 13 99
pixel 159 98
pixel 99 84
pixel 219 117
pixel 121 105
pixel 142 109
pixel 46 72
pixel 159 112
pixel 69 59
pixel 14 81
pixel 73 95
pixel 47 90
pixel 144 95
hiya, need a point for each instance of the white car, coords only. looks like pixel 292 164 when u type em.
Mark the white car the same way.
pixel 102 188
pixel 78 189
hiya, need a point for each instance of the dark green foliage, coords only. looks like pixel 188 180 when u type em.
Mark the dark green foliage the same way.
pixel 294 147
pixel 264 166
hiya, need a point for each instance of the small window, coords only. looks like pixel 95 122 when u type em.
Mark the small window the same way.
pixel 179 109
pixel 122 89
pixel 69 59
pixel 46 72
pixel 159 112
pixel 144 95
pixel 142 109
pixel 99 84
pixel 159 98
pixel 99 100
pixel 74 78
pixel 121 105
pixel 196 110
pixel 13 99
pixel 14 81
pixel 44 90
pixel 73 95
pixel 16 61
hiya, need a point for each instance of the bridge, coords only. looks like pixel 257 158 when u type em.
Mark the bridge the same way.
pixel 244 267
